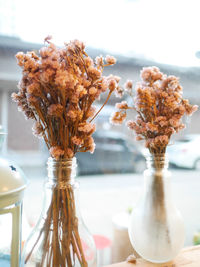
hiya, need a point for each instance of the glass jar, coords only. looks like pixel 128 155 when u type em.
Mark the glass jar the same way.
pixel 156 229
pixel 60 238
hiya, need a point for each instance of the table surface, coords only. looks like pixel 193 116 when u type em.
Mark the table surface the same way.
pixel 189 257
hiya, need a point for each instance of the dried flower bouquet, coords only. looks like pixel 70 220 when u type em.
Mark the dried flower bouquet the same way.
pixel 57 90
pixel 160 107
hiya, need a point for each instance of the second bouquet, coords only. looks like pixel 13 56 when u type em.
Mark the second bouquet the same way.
pixel 57 90
pixel 156 230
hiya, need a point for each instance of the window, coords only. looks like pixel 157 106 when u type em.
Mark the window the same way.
pixel 138 33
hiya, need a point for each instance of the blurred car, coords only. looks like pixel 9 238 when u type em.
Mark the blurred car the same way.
pixel 186 152
pixel 114 153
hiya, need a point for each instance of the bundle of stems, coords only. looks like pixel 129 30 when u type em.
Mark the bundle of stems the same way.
pixel 57 90
pixel 158 189
pixel 61 241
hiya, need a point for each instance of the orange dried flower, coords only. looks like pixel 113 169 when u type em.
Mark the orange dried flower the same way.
pixel 56 152
pixel 55 110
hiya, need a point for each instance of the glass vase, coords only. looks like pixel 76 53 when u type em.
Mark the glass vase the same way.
pixel 60 238
pixel 156 227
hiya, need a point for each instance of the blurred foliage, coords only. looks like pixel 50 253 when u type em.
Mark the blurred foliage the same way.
pixel 196 238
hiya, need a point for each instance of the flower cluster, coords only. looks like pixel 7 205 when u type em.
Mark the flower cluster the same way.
pixel 160 107
pixel 57 90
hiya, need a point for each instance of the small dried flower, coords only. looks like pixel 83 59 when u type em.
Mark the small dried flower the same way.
pixel 128 85
pixel 92 91
pixel 89 62
pixel 117 78
pixel 118 117
pixel 32 100
pixel 122 105
pixel 95 73
pixel 55 110
pixel 104 85
pixel 89 144
pixel 119 92
pixel 72 115
pixel 70 153
pixel 112 84
pixel 79 44
pixel 110 60
pixel 92 147
pixel 34 89
pixel 151 74
pixel 151 127
pixel 160 141
pixel 63 78
pixel 16 97
pixel 86 127
pixel 131 125
pixel 139 138
pixel 38 129
pixel 99 61
pixel 77 140
pixel 189 109
pixel 81 90
pixel 56 152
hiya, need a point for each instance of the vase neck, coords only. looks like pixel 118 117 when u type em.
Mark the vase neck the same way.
pixel 63 170
pixel 157 176
pixel 157 162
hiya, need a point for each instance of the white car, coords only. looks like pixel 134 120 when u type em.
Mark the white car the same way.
pixel 185 152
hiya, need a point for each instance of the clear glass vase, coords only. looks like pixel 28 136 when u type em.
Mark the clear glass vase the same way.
pixel 60 237
pixel 156 228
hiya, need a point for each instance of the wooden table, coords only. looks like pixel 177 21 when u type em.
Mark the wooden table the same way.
pixel 189 257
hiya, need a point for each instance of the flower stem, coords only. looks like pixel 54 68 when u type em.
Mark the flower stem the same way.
pixel 102 106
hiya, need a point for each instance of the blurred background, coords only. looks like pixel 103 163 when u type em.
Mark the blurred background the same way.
pixel 138 33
